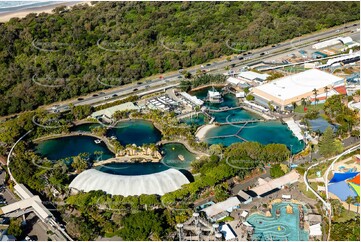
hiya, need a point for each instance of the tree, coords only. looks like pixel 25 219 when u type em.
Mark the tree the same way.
pixel 356 200
pixel 79 164
pixel 326 89
pixel 276 171
pixel 303 102
pixel 328 146
pixel 349 200
pixel 15 227
pixel 216 149
pixel 315 92
pixel 142 225
pixel 249 97
pixel 81 111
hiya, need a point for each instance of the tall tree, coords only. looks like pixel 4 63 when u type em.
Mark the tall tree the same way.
pixel 315 92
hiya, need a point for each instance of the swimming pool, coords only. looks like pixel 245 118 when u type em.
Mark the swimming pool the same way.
pixel 285 227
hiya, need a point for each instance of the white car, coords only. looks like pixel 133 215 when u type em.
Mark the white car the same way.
pixel 106 97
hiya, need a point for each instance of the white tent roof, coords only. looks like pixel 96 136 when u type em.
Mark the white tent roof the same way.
pixel 156 183
pixel 221 206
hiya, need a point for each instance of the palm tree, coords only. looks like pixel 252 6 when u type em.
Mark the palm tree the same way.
pixel 326 90
pixel 303 102
pixel 356 200
pixel 349 200
pixel 315 92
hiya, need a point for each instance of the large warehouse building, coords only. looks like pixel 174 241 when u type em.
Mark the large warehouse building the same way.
pixel 286 90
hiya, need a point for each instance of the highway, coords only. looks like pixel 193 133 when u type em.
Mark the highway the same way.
pixel 215 67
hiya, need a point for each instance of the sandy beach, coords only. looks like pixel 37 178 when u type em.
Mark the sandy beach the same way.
pixel 4 17
pixel 203 131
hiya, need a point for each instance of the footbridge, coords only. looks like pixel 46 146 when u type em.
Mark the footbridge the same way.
pixel 242 121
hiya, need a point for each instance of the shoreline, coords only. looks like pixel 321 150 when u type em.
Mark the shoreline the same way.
pixel 203 131
pixel 22 13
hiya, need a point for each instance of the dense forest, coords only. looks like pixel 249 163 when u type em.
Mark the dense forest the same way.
pixel 50 57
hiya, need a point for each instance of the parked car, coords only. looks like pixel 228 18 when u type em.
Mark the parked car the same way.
pixel 139 83
pixel 95 95
pixel 80 99
pixel 114 95
pixel 135 89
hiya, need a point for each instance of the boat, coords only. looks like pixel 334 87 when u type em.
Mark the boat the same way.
pixel 97 141
pixel 113 137
pixel 181 157
pixel 214 96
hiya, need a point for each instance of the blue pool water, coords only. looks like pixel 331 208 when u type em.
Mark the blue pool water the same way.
pixel 285 227
pixel 262 132
pixel 196 120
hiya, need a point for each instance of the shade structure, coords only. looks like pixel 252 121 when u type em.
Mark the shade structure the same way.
pixel 342 190
pixel 156 183
pixel 337 177
pixel 356 188
pixel 355 180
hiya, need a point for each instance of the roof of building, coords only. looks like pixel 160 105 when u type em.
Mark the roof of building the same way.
pixel 156 183
pixel 33 202
pixel 221 206
pixel 346 40
pixel 314 218
pixel 227 232
pixel 244 195
pixel 8 237
pixel 111 110
pixel 23 192
pixel 276 183
pixel 251 75
pixel 315 230
pixel 295 85
pixel 234 81
pixel 191 98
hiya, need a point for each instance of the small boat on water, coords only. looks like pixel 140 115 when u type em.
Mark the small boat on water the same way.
pixel 113 137
pixel 97 141
pixel 181 157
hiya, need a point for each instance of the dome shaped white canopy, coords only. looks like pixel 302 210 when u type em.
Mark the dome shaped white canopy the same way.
pixel 156 183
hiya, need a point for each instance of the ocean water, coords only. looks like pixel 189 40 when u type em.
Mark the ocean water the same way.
pixel 11 6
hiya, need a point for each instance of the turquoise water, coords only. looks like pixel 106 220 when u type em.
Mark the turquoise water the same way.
pixel 229 99
pixel 171 159
pixel 197 120
pixel 137 132
pixel 233 115
pixel 62 148
pixel 267 228
pixel 263 132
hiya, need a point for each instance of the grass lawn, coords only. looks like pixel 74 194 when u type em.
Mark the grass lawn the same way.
pixel 302 188
pixel 299 108
pixel 226 219
pixel 345 216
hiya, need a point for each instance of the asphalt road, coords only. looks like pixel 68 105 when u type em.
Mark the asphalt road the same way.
pixel 255 57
